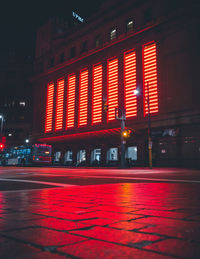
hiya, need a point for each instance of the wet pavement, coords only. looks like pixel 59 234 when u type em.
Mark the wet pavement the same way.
pixel 112 220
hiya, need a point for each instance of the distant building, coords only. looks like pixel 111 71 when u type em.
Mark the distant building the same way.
pixel 15 103
pixel 83 73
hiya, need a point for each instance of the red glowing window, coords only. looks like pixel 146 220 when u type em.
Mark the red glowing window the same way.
pixel 150 85
pixel 59 104
pixel 49 108
pixel 71 101
pixel 130 84
pixel 112 88
pixel 83 98
pixel 97 94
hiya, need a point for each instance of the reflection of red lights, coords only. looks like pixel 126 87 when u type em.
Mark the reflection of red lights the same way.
pixel 83 98
pixel 49 107
pixel 71 101
pixel 112 88
pixel 150 77
pixel 98 133
pixel 59 105
pixel 97 94
pixel 130 84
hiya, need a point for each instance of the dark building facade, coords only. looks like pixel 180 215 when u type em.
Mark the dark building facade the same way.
pixel 84 73
pixel 15 97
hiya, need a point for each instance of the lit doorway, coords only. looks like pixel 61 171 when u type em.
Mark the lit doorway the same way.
pixel 68 157
pixel 131 155
pixel 81 157
pixel 112 156
pixel 95 157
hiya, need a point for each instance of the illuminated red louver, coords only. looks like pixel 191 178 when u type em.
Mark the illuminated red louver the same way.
pixel 49 108
pixel 130 84
pixel 112 88
pixel 71 101
pixel 59 104
pixel 97 94
pixel 83 98
pixel 150 78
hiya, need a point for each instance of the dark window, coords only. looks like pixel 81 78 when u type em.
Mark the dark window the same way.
pixel 147 15
pixel 62 57
pixel 129 25
pixel 51 63
pixel 84 47
pixel 72 52
pixel 97 41
pixel 113 34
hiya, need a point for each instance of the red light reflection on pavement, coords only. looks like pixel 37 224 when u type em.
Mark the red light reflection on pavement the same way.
pixel 125 220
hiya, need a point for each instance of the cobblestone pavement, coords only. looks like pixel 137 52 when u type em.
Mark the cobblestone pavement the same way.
pixel 124 220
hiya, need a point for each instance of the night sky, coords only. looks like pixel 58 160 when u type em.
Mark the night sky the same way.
pixel 19 20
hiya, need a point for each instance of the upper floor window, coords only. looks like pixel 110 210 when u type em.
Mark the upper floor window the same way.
pixel 84 47
pixel 113 34
pixel 148 15
pixel 51 63
pixel 97 41
pixel 62 57
pixel 72 52
pixel 129 25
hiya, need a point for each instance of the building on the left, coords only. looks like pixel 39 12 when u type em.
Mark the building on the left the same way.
pixel 15 98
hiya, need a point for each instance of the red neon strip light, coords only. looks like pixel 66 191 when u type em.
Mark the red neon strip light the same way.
pixel 83 98
pixel 49 107
pixel 59 104
pixel 112 88
pixel 130 84
pixel 71 101
pixel 150 78
pixel 97 95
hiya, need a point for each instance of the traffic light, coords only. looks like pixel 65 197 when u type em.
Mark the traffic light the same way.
pixel 126 133
pixel 2 146
pixel 105 106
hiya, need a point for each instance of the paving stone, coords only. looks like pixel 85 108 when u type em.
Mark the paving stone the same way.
pixel 93 249
pixel 160 213
pixel 115 235
pixel 128 225
pixel 182 233
pixel 44 237
pixel 167 222
pixel 12 249
pixel 176 247
pixel 61 224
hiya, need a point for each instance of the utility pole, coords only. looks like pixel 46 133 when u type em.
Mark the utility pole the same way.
pixel 123 141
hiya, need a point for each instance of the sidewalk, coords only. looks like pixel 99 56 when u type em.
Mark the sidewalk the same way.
pixel 129 220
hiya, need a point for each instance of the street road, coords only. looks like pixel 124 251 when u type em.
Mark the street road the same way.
pixel 38 177
pixel 99 213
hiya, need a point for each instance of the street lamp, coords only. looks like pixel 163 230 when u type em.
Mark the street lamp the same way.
pixel 1 117
pixel 136 92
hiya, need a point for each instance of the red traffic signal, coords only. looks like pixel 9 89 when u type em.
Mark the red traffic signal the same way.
pixel 2 146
